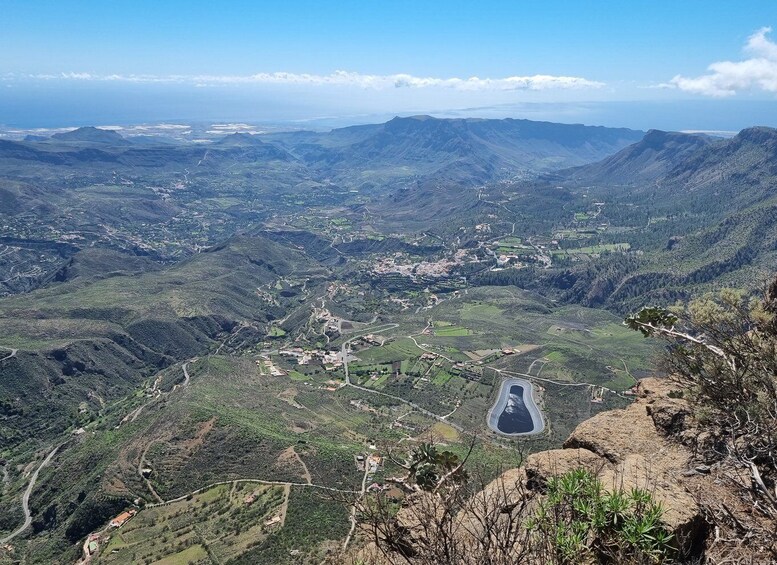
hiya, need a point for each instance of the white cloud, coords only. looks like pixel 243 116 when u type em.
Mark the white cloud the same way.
pixel 760 46
pixel 346 78
pixel 726 78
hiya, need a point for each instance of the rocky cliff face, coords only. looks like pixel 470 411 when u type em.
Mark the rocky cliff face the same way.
pixel 632 448
pixel 657 444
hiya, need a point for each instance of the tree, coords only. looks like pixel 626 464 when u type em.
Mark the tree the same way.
pixel 501 522
pixel 723 347
pixel 468 522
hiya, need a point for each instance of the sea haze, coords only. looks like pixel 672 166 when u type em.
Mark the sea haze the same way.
pixel 72 104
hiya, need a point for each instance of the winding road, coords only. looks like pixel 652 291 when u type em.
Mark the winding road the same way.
pixel 352 516
pixel 185 368
pixel 12 354
pixel 422 348
pixel 558 383
pixel 26 498
pixel 132 416
pixel 344 355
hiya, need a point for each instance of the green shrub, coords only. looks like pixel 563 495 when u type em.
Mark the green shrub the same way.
pixel 580 522
pixel 723 348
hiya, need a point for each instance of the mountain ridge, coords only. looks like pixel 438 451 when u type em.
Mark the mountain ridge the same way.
pixel 651 158
pixel 91 134
pixel 491 142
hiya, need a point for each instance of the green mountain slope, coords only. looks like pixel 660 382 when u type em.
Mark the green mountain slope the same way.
pixel 84 342
pixel 650 159
pixel 469 150
pixel 700 212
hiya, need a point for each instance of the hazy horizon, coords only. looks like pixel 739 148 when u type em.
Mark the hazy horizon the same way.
pixel 305 62
pixel 704 116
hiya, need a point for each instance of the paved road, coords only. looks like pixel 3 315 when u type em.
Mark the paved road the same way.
pixel 26 498
pixel 344 354
pixel 558 383
pixel 132 416
pixel 186 379
pixel 185 374
pixel 422 348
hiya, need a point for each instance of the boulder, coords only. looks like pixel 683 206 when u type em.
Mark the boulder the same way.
pixel 626 449
pixel 539 467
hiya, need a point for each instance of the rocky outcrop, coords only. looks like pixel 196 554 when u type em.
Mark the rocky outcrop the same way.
pixel 630 448
pixel 655 444
pixel 634 451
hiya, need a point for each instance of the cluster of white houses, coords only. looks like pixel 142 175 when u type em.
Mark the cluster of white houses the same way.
pixel 329 359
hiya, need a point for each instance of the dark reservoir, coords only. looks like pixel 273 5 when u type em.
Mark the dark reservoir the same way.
pixel 515 418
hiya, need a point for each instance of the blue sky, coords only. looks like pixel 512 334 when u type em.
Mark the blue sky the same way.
pixel 73 62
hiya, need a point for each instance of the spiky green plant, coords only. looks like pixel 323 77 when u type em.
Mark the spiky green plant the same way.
pixel 579 521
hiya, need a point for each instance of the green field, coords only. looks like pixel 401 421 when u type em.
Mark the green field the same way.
pixel 594 249
pixel 452 331
pixel 275 331
pixel 218 522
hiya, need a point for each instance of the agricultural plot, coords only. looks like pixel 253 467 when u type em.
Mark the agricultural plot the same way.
pixel 593 249
pixel 514 246
pixel 446 329
pixel 399 349
pixel 312 520
pixel 510 242
pixel 235 419
pixel 219 524
pixel 476 336
pixel 275 331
